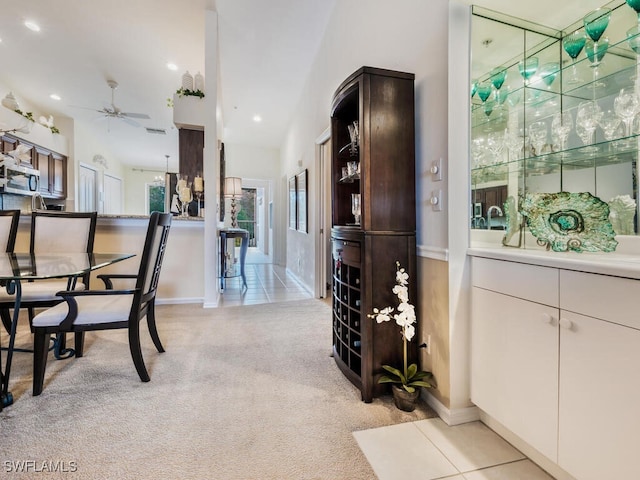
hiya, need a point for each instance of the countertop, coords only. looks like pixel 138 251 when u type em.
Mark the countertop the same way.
pixel 617 264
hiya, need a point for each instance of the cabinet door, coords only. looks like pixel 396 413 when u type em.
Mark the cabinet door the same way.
pixel 514 366
pixel 42 164
pixel 599 420
pixel 59 180
pixel 8 144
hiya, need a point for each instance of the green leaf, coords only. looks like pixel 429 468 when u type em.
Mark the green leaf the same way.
pixel 422 374
pixel 387 379
pixel 411 371
pixel 395 372
pixel 409 388
pixel 420 383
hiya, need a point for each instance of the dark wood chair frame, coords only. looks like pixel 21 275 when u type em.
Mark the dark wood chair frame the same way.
pixel 11 243
pixel 13 232
pixel 60 344
pixel 142 305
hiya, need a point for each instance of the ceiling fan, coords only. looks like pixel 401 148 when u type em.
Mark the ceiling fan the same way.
pixel 112 111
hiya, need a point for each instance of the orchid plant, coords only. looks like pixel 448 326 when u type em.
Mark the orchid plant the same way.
pixel 409 377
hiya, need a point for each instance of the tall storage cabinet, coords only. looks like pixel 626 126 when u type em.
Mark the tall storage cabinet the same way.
pixel 373 160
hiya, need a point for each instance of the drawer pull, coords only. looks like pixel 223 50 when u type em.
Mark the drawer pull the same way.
pixel 547 318
pixel 566 323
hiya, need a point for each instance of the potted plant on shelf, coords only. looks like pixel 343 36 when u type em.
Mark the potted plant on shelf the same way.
pixel 404 384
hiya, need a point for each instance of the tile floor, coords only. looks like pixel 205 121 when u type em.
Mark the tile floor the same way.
pixel 266 283
pixel 430 449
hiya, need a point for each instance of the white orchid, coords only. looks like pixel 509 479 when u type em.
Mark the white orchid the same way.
pixel 383 315
pixel 410 377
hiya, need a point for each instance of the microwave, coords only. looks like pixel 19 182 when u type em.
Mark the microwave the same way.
pixel 18 179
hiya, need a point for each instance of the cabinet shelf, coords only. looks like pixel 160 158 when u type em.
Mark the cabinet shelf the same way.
pixel 353 151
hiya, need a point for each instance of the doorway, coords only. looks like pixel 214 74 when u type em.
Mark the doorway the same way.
pixel 323 238
pixel 254 217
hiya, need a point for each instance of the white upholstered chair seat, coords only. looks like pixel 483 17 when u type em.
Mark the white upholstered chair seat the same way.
pixel 40 291
pixel 92 309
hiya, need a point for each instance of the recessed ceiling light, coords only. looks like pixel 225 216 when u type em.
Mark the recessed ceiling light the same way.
pixel 33 26
pixel 172 66
pixel 257 118
pixel 54 96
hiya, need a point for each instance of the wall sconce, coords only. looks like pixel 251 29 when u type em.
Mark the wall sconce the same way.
pixel 233 190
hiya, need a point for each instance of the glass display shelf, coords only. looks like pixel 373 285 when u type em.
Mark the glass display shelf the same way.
pixel 620 150
pixel 350 178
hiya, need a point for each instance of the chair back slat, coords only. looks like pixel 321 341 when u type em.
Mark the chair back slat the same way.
pixel 9 228
pixel 153 254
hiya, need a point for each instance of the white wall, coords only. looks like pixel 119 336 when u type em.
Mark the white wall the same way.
pixel 260 163
pixel 408 35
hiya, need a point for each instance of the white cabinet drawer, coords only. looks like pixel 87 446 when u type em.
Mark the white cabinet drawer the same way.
pixel 529 282
pixel 608 298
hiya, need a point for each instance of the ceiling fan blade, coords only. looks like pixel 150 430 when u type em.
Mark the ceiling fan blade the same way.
pixel 133 123
pixel 135 115
pixel 87 108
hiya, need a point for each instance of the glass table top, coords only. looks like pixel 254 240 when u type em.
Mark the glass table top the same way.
pixel 38 266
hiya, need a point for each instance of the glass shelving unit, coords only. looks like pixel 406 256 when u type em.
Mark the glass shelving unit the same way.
pixel 504 150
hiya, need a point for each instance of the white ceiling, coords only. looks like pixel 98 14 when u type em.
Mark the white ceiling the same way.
pixel 266 50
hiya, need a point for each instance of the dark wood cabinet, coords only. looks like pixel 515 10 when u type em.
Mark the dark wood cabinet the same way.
pixel 53 172
pixel 191 151
pixel 488 197
pixel 9 143
pixel 378 164
pixel 58 163
pixel 51 165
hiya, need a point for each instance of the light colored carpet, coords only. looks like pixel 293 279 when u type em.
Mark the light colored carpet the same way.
pixel 241 393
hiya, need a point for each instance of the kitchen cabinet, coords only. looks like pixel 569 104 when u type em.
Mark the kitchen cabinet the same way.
pixel 9 143
pixel 53 172
pixel 514 350
pixel 554 360
pixel 599 420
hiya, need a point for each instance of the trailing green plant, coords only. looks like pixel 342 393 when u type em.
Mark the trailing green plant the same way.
pixel 27 115
pixel 54 129
pixel 190 93
pixel 410 377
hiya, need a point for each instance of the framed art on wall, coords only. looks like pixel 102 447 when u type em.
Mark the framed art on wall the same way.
pixel 292 204
pixel 301 197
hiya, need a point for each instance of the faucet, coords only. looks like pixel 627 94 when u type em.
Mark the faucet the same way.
pixel 37 202
pixel 478 222
pixel 490 211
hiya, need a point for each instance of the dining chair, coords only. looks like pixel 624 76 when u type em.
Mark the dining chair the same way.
pixel 108 309
pixel 8 231
pixel 59 232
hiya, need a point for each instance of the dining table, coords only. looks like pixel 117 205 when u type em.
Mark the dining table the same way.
pixel 17 268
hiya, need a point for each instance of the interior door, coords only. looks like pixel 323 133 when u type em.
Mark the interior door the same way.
pixel 112 195
pixel 87 189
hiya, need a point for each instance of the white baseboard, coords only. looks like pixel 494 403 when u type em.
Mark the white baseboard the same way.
pixel 451 417
pixel 302 284
pixel 176 301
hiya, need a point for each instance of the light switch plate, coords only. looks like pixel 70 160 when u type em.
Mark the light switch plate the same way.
pixel 436 200
pixel 436 170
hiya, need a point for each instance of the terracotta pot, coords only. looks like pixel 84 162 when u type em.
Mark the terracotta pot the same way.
pixel 404 400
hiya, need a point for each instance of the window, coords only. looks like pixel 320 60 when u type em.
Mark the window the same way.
pixel 155 198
